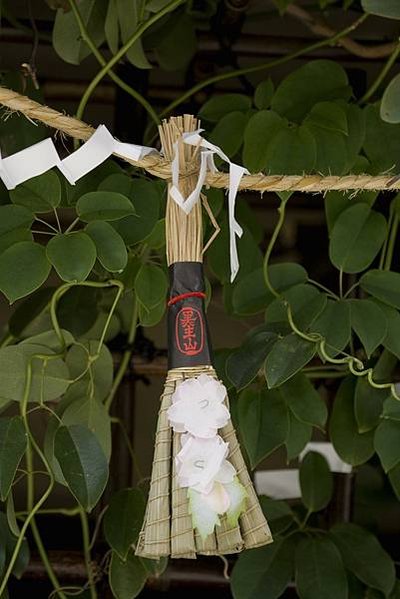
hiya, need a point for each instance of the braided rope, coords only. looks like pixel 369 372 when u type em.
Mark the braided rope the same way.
pixel 159 167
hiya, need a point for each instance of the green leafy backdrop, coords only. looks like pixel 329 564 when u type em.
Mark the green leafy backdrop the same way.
pixel 105 259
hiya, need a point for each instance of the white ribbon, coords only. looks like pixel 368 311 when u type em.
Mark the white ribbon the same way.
pixel 41 157
pixel 236 172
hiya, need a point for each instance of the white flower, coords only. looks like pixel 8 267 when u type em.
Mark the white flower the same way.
pixel 198 408
pixel 201 462
pixel 205 508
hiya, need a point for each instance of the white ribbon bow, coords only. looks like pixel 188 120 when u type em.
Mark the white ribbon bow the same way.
pixel 236 172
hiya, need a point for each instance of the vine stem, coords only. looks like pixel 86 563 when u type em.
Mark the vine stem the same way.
pixel 121 52
pixel 391 243
pixel 101 60
pixel 65 287
pixel 262 67
pixel 385 70
pixel 355 366
pixel 86 552
pixel 31 441
pixel 35 530
pixel 126 357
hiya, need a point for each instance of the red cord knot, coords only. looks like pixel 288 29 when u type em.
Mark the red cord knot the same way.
pixel 183 296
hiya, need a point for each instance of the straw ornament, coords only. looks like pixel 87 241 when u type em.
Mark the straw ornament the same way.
pixel 194 458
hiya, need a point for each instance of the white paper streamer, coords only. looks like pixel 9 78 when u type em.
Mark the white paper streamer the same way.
pixel 236 173
pixel 43 156
pixel 28 163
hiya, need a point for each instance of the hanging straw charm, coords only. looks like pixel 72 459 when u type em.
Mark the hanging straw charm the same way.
pixel 201 498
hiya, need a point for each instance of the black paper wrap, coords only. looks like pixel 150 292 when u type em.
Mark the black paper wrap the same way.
pixel 188 335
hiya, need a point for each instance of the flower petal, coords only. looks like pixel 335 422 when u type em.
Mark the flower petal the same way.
pixel 203 517
pixel 217 499
pixel 226 473
pixel 237 496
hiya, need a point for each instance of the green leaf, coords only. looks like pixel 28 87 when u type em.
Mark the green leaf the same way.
pixel 384 285
pixel 357 237
pixel 50 339
pixel 336 202
pixel 145 197
pixel 228 132
pixel 7 548
pixel 263 94
pixel 304 401
pixel 110 246
pixel 98 205
pixel 392 340
pixel 13 441
pixel 331 150
pixel 78 309
pixel 218 106
pixel 150 285
pixel 92 414
pixel 73 255
pixel 243 365
pixel 333 324
pixel 129 16
pixel 149 318
pixel 383 8
pixel 101 369
pixel 287 357
pixel 353 447
pixel 277 512
pixel 368 405
pixel 390 101
pixel 263 422
pixel 111 26
pixel 11 516
pixel 83 463
pixel 23 269
pixel 387 443
pixel 179 33
pixel 394 477
pixel 39 194
pixel 299 434
pixel 14 218
pixel 363 555
pixel 369 322
pixel 355 138
pixel 263 125
pixel 263 573
pixel 123 520
pixel 391 407
pixel 48 382
pixel 319 570
pixel 315 481
pixel 28 310
pixel 381 135
pixel 67 39
pixel 12 237
pixel 316 81
pixel 251 295
pixel 127 578
pixel 305 301
pixel 328 115
pixel 302 155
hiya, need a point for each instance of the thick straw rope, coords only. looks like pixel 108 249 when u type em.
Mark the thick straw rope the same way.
pixel 161 168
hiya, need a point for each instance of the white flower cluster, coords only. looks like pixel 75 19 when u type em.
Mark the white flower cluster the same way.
pixel 198 411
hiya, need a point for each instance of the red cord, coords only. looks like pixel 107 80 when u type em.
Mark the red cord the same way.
pixel 183 296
